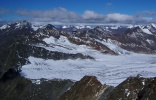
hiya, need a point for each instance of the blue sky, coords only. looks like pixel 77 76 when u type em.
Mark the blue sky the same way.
pixel 79 11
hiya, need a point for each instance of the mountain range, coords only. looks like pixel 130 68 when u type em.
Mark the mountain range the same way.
pixel 44 55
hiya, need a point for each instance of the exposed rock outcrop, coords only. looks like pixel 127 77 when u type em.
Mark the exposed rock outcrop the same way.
pixel 20 88
pixel 135 88
pixel 88 88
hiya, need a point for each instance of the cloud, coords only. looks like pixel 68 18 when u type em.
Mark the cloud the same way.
pixel 128 19
pixel 108 4
pixel 3 12
pixel 54 16
pixel 63 16
pixel 91 15
pixel 146 12
pixel 57 14
pixel 117 17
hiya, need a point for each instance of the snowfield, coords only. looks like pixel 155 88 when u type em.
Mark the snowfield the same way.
pixel 109 69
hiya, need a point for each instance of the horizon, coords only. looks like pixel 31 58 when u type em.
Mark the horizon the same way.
pixel 74 24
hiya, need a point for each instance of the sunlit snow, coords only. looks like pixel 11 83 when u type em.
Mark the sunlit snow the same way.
pixel 109 69
pixel 146 31
pixel 4 27
pixel 64 45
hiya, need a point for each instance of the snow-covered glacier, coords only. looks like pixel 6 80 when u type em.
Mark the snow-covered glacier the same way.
pixel 109 69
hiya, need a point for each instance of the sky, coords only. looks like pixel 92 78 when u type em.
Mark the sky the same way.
pixel 79 11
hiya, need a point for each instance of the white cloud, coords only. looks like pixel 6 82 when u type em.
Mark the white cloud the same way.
pixel 63 16
pixel 91 15
pixel 57 14
pixel 146 12
pixel 3 12
pixel 117 17
pixel 54 13
pixel 108 4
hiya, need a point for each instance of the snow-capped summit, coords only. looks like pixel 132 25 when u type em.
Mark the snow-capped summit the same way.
pixel 153 25
pixel 130 26
pixel 64 26
pixel 115 27
pixel 4 27
pixel 146 30
pixel 23 24
pixel 35 27
pixel 80 26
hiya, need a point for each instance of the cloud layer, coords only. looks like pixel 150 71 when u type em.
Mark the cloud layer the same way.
pixel 63 16
pixel 108 4
pixel 3 12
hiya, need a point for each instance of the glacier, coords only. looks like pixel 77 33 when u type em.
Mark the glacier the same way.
pixel 109 69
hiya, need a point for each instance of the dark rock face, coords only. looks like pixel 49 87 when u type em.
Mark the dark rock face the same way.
pixel 88 88
pixel 135 88
pixel 18 29
pixel 149 91
pixel 10 74
pixel 20 88
pixel 47 31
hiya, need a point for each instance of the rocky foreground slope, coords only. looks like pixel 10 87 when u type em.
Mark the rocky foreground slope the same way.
pixel 134 88
pixel 88 88
pixel 20 41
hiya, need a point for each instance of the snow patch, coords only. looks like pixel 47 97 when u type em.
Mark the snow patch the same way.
pixel 143 83
pixel 113 46
pixel 146 31
pixel 127 92
pixel 64 45
pixel 35 27
pixel 153 25
pixel 64 27
pixel 114 27
pixel 89 27
pixel 4 27
pixel 18 25
pixel 36 81
pixel 150 41
pixel 80 26
pixel 130 26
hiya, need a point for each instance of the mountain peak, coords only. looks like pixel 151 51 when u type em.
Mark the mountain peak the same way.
pixel 49 26
pixel 4 27
pixel 88 88
pixel 153 25
pixel 22 24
